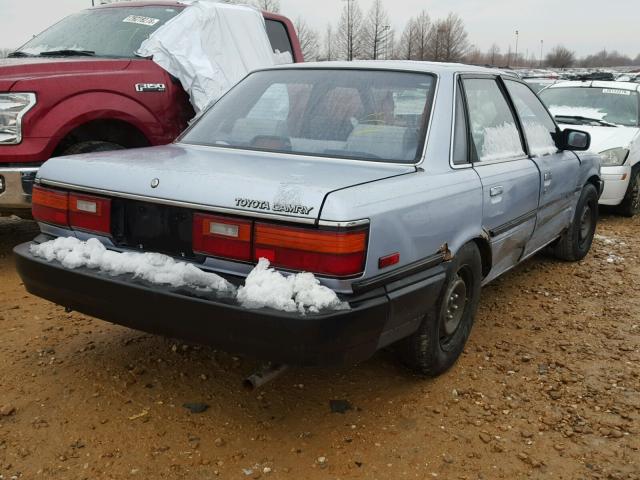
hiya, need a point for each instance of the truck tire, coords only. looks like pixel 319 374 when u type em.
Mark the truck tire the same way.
pixel 444 331
pixel 630 205
pixel 575 243
pixel 92 146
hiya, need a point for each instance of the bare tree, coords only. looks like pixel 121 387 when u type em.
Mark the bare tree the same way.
pixel 606 59
pixel 560 57
pixel 329 44
pixel 493 55
pixel 268 5
pixel 453 38
pixel 475 56
pixel 350 31
pixel 422 30
pixel 407 45
pixel 376 31
pixel 308 40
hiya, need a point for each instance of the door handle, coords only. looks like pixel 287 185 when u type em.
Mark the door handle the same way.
pixel 495 191
pixel 547 176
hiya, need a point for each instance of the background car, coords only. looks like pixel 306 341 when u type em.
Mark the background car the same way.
pixel 610 112
pixel 404 186
pixel 79 87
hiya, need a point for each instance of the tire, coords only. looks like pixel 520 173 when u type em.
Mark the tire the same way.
pixel 92 146
pixel 575 243
pixel 630 205
pixel 444 331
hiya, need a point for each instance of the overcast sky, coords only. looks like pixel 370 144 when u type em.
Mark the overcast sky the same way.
pixel 584 26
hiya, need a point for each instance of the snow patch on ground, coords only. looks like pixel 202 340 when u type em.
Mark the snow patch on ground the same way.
pixel 612 257
pixel 264 287
pixel 302 292
pixel 153 267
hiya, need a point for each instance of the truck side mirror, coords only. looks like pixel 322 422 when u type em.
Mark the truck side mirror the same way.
pixel 570 139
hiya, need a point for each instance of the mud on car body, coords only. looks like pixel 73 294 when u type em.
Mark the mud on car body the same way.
pixel 404 186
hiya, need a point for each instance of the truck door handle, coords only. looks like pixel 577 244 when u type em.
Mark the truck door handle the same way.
pixel 547 176
pixel 495 191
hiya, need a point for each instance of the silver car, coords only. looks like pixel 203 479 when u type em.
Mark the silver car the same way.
pixel 402 186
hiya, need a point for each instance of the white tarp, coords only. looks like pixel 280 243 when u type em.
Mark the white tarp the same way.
pixel 210 47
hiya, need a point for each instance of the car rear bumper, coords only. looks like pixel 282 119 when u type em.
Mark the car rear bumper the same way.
pixel 616 181
pixel 16 184
pixel 377 317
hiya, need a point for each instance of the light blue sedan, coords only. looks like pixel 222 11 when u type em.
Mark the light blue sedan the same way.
pixel 402 186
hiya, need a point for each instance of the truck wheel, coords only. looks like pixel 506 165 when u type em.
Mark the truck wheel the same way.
pixel 92 146
pixel 441 337
pixel 630 205
pixel 576 242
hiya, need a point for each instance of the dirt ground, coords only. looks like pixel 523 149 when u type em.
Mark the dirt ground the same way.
pixel 548 387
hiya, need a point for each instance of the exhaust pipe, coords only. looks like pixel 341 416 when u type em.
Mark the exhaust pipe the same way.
pixel 266 373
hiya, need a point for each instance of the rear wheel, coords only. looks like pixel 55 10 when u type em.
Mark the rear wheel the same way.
pixel 630 205
pixel 576 242
pixel 441 337
pixel 92 146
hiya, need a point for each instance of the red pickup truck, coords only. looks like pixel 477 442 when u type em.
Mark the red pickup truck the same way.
pixel 94 94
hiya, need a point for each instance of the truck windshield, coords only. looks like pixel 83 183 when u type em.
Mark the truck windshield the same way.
pixel 103 32
pixel 370 115
pixel 581 105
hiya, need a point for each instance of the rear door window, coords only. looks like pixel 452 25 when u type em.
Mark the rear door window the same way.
pixel 493 127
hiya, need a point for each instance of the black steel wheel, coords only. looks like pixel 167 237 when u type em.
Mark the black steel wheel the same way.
pixel 575 243
pixel 444 331
pixel 630 205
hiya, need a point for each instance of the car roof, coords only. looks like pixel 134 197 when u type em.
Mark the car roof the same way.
pixel 408 65
pixel 598 84
pixel 148 3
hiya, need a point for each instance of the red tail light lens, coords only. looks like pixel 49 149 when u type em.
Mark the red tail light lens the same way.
pixel 335 253
pixel 50 206
pixel 222 237
pixel 90 213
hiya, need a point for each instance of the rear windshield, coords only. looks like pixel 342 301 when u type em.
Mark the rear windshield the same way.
pixel 103 32
pixel 360 114
pixel 577 105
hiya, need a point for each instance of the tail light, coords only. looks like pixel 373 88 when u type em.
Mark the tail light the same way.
pixel 50 206
pixel 90 213
pixel 337 253
pixel 81 212
pixel 222 237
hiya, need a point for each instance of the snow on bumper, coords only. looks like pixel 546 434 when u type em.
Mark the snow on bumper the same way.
pixel 375 318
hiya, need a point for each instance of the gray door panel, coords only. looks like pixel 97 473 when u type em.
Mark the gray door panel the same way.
pixel 510 201
pixel 510 180
pixel 559 172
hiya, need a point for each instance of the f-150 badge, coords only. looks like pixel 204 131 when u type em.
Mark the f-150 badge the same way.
pixel 150 87
pixel 276 207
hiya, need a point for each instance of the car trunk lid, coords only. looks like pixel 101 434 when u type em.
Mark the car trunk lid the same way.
pixel 218 179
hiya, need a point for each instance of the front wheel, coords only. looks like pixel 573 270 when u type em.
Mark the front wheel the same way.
pixel 630 205
pixel 441 337
pixel 576 242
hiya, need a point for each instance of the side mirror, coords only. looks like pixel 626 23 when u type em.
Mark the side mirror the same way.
pixel 570 139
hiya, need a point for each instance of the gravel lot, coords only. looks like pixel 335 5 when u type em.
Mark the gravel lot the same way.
pixel 548 387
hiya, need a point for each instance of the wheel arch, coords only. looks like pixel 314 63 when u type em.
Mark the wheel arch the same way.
pixel 485 254
pixel 595 181
pixel 106 130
